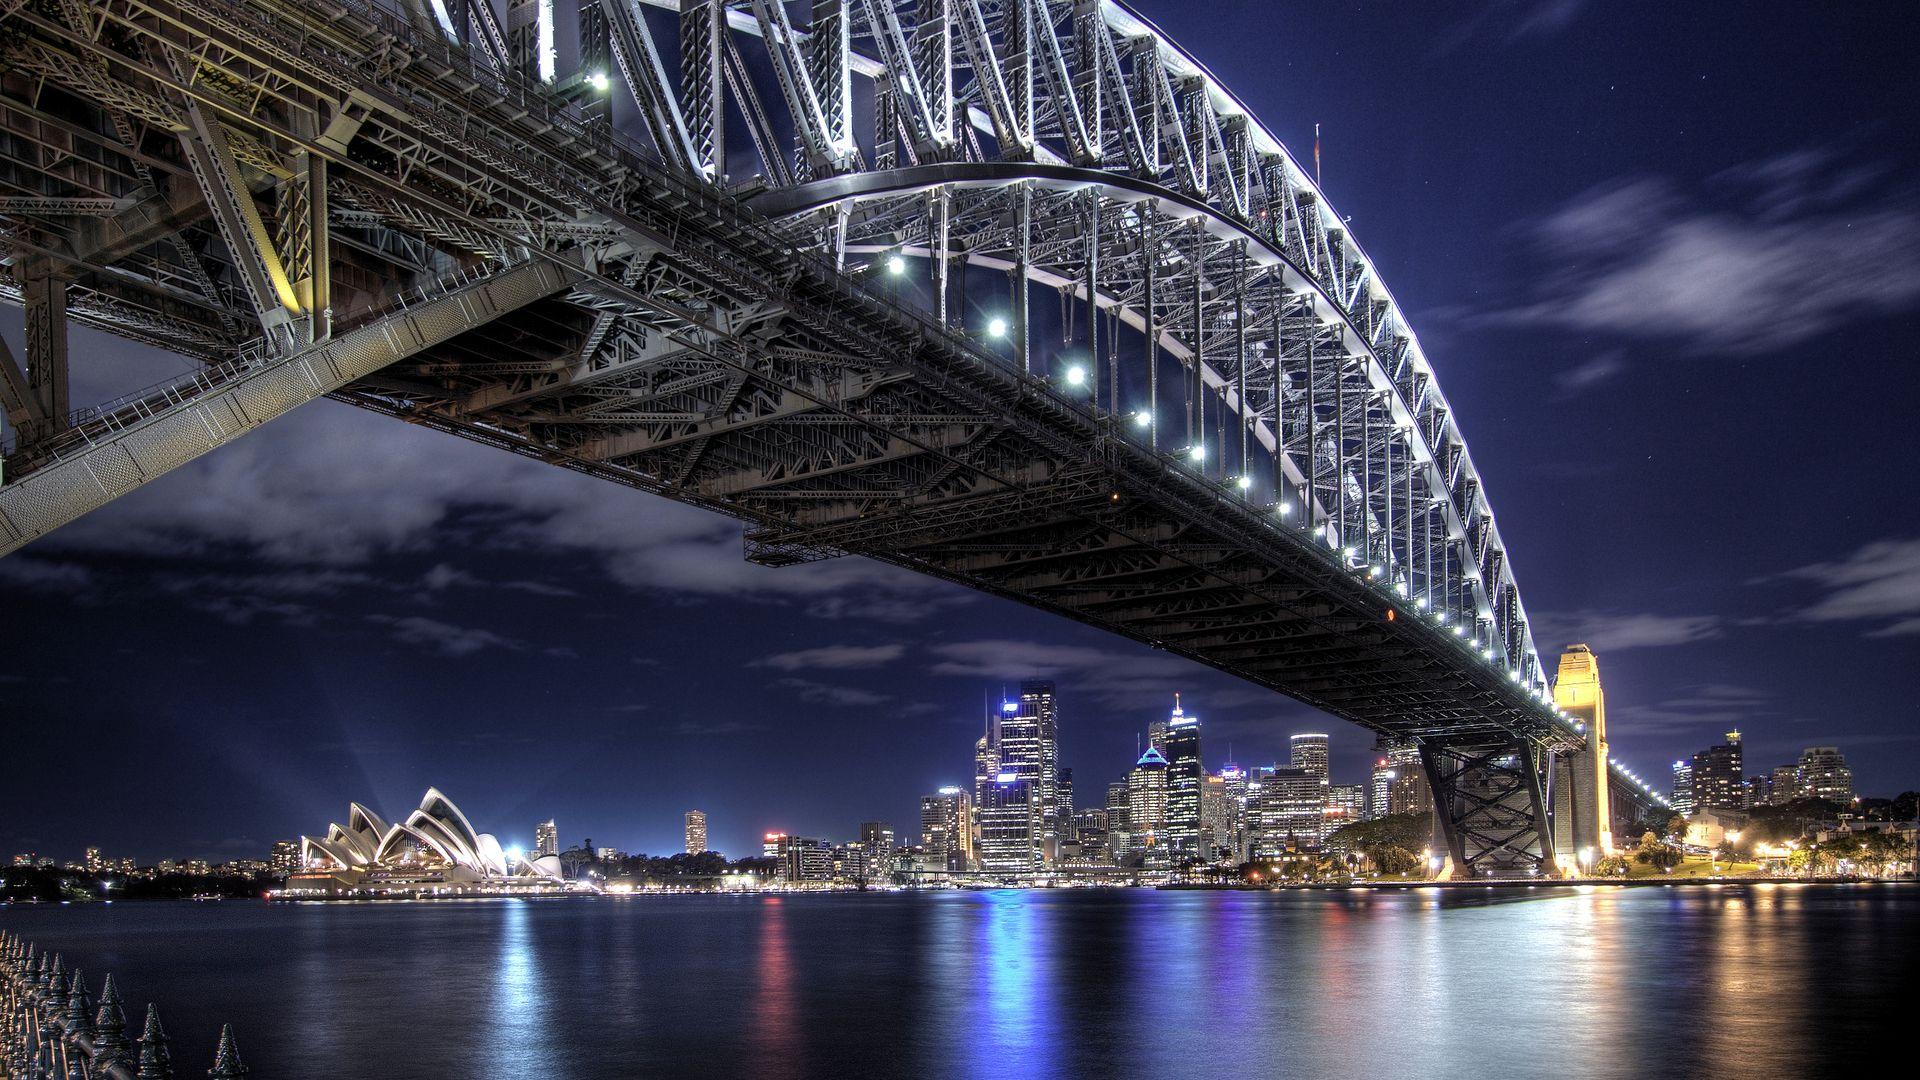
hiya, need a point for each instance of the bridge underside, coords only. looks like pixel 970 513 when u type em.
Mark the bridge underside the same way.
pixel 191 174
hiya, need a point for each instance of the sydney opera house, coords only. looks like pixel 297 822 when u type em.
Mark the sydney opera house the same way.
pixel 435 852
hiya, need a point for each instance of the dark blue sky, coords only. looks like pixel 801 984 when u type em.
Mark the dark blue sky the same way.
pixel 1666 259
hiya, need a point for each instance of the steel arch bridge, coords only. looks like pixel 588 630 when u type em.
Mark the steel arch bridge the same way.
pixel 1009 292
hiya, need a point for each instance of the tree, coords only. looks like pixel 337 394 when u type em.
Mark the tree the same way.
pixel 1662 857
pixel 1800 860
pixel 1390 859
pixel 1614 865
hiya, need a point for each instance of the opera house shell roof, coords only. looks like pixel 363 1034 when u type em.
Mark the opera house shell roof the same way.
pixel 437 837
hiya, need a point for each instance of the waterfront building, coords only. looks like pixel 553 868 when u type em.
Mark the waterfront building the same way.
pixel 1091 831
pixel 802 858
pixel 1584 806
pixel 1288 812
pixel 435 851
pixel 1346 805
pixel 1184 775
pixel 946 829
pixel 1012 827
pixel 1119 832
pixel 696 832
pixel 1147 803
pixel 1216 819
pixel 1786 784
pixel 1309 752
pixel 1824 774
pixel 1682 797
pixel 285 856
pixel 546 838
pixel 1719 776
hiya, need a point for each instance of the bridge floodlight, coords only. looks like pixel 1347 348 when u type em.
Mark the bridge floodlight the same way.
pixel 1347 552
pixel 996 327
pixel 1243 483
pixel 896 265
pixel 1143 419
pixel 1076 376
pixel 1198 452
pixel 1285 508
pixel 599 81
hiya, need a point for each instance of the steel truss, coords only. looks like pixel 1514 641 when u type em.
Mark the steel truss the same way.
pixel 1298 506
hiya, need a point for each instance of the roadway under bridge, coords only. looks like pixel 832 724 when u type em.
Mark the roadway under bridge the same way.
pixel 1009 292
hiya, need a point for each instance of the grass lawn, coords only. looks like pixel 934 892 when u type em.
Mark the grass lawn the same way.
pixel 1691 867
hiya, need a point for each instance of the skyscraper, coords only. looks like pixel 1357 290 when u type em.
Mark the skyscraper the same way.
pixel 1786 784
pixel 1823 774
pixel 986 762
pixel 1683 788
pixel 1408 791
pixel 546 839
pixel 1383 775
pixel 1310 753
pixel 946 827
pixel 696 832
pixel 1119 834
pixel 1582 808
pixel 1346 805
pixel 1234 780
pixel 1290 809
pixel 1185 774
pixel 1029 748
pixel 1147 803
pixel 1012 824
pixel 1719 776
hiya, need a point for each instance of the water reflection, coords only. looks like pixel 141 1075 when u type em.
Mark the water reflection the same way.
pixel 1783 981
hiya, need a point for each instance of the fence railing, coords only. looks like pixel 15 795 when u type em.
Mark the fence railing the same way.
pixel 51 1026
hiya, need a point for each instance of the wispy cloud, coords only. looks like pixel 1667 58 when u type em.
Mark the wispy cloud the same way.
pixel 1616 631
pixel 834 657
pixel 44 575
pixel 1768 255
pixel 445 639
pixel 1509 21
pixel 1107 675
pixel 1590 373
pixel 1880 582
pixel 1693 707
pixel 818 693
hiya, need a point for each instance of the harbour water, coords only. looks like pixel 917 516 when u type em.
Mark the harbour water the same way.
pixel 1763 980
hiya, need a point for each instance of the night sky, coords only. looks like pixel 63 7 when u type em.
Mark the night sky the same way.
pixel 1665 258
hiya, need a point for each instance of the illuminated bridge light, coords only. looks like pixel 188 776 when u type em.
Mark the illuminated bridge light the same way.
pixel 896 265
pixel 997 328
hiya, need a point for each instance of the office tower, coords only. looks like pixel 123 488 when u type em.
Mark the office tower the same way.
pixel 1234 779
pixel 773 845
pixel 1824 775
pixel 1383 777
pixel 1759 789
pixel 284 859
pixel 1216 818
pixel 1719 776
pixel 1582 807
pixel 802 858
pixel 1157 736
pixel 1119 833
pixel 1030 749
pixel 1682 797
pixel 1184 775
pixel 986 762
pixel 1309 752
pixel 1346 805
pixel 1786 784
pixel 1147 802
pixel 1063 805
pixel 696 832
pixel 1408 793
pixel 1289 811
pixel 946 827
pixel 1012 827
pixel 546 839
pixel 1090 828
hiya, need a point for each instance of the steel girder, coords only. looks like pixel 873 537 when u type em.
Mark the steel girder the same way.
pixel 714 357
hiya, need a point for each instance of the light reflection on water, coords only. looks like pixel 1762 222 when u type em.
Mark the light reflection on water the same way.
pixel 1739 981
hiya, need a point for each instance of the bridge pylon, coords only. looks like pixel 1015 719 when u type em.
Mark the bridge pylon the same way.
pixel 1490 800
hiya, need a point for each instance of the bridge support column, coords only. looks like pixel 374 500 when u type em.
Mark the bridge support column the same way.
pixel 1490 799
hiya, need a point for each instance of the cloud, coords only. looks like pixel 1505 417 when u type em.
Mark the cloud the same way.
pixel 834 657
pixel 1590 373
pixel 1778 252
pixel 823 694
pixel 44 575
pixel 331 487
pixel 1618 631
pixel 1879 581
pixel 1107 675
pixel 1721 705
pixel 445 639
pixel 716 727
pixel 1511 21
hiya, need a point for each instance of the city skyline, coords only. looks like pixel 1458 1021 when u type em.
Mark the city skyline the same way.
pixel 537 614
